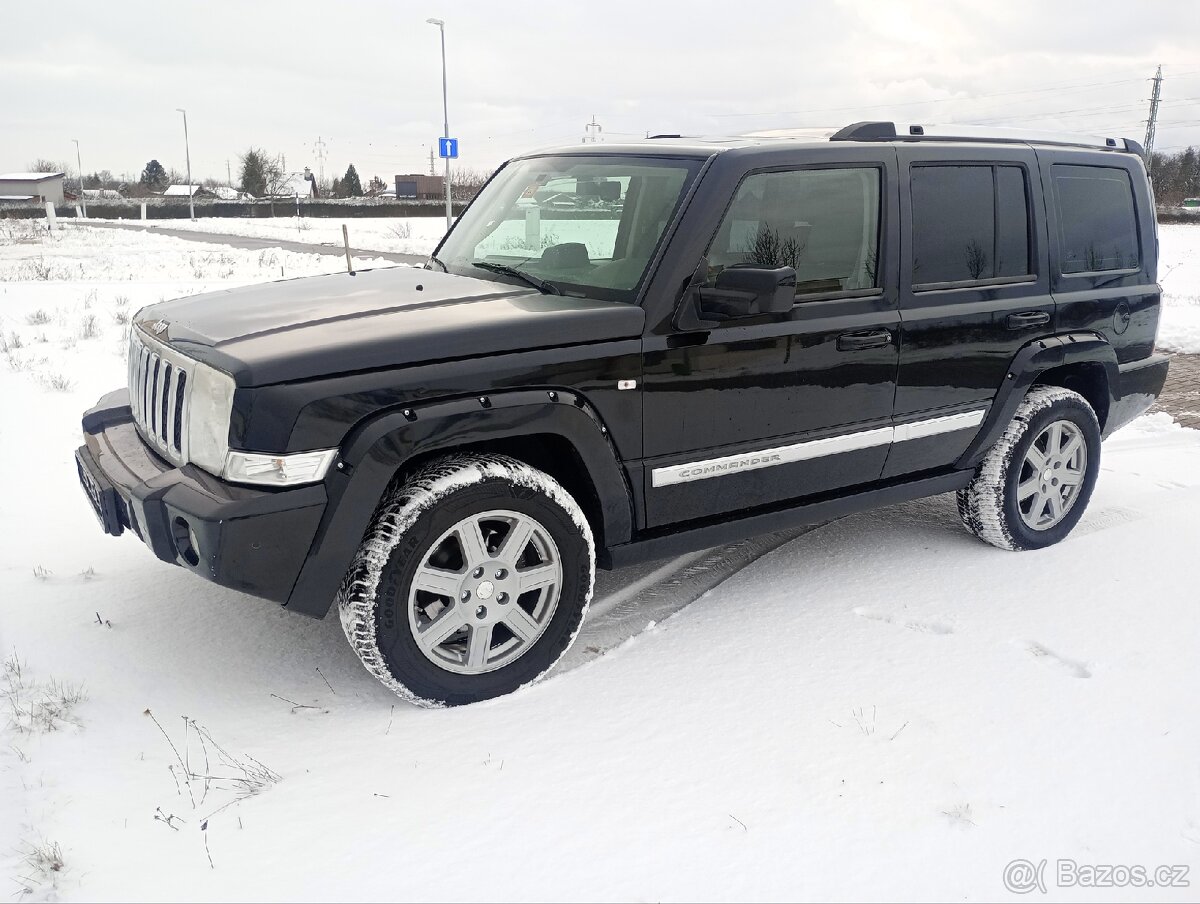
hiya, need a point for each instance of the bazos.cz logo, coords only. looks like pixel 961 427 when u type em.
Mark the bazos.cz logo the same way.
pixel 1024 876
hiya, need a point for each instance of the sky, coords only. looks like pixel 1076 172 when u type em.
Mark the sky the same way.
pixel 361 79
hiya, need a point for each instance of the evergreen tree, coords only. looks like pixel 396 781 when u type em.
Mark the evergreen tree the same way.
pixel 154 176
pixel 351 187
pixel 254 172
pixel 335 188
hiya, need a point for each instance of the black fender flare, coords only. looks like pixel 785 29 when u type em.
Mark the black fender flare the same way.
pixel 375 450
pixel 1027 365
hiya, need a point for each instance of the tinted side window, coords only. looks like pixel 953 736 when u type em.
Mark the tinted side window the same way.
pixel 1012 222
pixel 1097 228
pixel 823 222
pixel 970 223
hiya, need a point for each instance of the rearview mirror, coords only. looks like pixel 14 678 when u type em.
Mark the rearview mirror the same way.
pixel 748 292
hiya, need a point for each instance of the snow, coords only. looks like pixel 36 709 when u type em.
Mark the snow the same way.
pixel 402 235
pixel 1179 275
pixel 28 177
pixel 883 708
pixel 399 235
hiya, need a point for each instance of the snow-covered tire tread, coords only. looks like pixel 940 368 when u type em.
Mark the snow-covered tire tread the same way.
pixel 402 505
pixel 981 502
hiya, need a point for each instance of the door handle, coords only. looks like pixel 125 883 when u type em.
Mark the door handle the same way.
pixel 1026 319
pixel 852 342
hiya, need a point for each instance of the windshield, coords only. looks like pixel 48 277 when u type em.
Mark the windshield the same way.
pixel 570 225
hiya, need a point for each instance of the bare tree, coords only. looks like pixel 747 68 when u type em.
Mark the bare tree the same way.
pixel 465 183
pixel 48 166
pixel 977 259
pixel 770 249
pixel 277 177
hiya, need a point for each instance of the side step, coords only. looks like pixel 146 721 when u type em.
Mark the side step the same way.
pixel 708 535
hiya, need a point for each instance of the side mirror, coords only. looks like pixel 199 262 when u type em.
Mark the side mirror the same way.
pixel 748 292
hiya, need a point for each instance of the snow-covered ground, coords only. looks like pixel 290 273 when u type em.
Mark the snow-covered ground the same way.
pixel 1179 275
pixel 883 708
pixel 399 235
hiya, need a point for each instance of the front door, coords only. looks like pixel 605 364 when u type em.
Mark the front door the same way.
pixel 756 411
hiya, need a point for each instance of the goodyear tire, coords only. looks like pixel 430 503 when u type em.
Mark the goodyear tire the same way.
pixel 472 581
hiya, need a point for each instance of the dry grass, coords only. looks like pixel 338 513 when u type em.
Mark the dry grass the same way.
pixel 38 708
pixel 89 328
pixel 43 863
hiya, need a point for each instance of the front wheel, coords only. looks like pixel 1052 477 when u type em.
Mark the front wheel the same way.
pixel 472 581
pixel 1033 486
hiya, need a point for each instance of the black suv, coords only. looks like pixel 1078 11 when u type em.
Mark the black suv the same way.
pixel 621 353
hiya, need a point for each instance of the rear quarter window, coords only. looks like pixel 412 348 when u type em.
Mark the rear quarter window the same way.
pixel 1097 224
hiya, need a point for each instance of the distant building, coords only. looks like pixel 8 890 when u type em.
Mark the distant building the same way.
pixel 39 187
pixel 102 194
pixel 182 191
pixel 420 187
pixel 225 193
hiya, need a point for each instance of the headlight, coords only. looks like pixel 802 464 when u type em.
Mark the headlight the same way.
pixel 210 408
pixel 278 470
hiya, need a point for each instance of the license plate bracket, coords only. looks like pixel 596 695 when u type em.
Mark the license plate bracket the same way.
pixel 99 491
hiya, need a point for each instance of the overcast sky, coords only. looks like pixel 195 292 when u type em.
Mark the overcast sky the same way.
pixel 365 75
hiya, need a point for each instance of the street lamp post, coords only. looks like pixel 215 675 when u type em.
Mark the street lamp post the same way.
pixel 188 155
pixel 79 163
pixel 445 115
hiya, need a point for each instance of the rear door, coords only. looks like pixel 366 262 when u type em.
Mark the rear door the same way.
pixel 756 411
pixel 1102 247
pixel 974 288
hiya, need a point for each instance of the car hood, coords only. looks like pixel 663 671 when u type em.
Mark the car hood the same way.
pixel 322 325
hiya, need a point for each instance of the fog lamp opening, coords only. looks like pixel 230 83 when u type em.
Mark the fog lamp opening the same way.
pixel 186 543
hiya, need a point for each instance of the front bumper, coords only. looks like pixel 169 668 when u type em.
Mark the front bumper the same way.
pixel 252 540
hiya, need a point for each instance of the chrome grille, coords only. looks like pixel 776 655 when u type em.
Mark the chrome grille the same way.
pixel 159 395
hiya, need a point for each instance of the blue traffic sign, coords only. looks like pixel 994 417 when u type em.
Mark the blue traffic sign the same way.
pixel 448 147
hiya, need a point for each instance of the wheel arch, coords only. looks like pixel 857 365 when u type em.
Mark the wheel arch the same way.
pixel 555 431
pixel 1084 362
pixel 1088 378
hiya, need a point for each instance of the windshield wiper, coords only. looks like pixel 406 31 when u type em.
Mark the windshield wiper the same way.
pixel 540 284
pixel 435 260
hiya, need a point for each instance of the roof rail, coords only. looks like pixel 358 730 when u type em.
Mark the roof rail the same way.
pixel 888 131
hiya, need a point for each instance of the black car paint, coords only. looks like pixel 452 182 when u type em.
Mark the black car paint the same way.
pixel 393 366
pixel 304 329
pixel 780 378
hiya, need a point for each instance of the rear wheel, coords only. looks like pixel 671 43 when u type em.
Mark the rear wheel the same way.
pixel 1033 486
pixel 472 581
